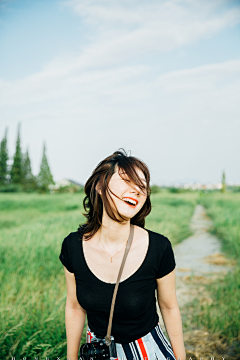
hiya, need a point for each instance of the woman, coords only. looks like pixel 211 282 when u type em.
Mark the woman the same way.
pixel 117 195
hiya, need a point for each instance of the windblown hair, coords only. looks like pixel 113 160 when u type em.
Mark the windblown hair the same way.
pixel 101 175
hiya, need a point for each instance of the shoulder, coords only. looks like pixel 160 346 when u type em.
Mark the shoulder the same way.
pixel 75 236
pixel 69 247
pixel 162 253
pixel 158 239
pixel 140 232
pixel 71 237
pixel 71 240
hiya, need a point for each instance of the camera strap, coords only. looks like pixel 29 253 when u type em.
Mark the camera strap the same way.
pixel 129 243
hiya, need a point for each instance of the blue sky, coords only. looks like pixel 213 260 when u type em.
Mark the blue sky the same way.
pixel 159 78
pixel 35 32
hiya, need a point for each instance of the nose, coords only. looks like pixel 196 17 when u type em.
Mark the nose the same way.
pixel 135 190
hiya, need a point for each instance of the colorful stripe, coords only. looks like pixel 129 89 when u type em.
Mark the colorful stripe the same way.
pixel 153 346
pixel 142 348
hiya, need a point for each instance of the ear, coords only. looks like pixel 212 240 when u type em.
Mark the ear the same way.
pixel 98 189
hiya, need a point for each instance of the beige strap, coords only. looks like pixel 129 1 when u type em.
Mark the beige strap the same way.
pixel 129 243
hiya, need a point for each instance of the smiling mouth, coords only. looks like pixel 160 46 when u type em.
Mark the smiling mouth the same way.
pixel 131 202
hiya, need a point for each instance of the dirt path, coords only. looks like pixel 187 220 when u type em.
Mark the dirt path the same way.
pixel 198 261
pixel 198 256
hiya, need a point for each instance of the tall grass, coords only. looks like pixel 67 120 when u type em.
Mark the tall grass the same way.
pixel 33 290
pixel 223 315
pixel 171 214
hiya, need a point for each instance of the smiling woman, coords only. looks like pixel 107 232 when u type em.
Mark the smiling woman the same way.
pixel 116 203
pixel 123 177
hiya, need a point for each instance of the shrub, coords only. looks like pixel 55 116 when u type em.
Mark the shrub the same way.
pixel 155 189
pixel 11 188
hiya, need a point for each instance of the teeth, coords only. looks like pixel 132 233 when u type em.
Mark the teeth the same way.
pixel 133 202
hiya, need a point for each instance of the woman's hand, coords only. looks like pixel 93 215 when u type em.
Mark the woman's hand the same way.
pixel 169 308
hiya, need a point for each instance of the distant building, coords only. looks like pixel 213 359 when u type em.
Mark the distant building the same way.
pixel 202 186
pixel 194 186
pixel 66 184
pixel 74 183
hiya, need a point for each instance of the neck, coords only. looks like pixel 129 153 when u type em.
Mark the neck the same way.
pixel 112 232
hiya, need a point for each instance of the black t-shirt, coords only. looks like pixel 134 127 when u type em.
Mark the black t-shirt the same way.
pixel 135 311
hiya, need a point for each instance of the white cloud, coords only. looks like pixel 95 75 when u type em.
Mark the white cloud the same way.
pixel 167 113
pixel 128 29
pixel 124 31
pixel 111 83
pixel 201 79
pixel 128 87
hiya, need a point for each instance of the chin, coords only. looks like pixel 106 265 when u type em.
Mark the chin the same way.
pixel 126 211
pixel 128 214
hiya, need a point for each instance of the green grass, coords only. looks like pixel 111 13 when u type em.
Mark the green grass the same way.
pixel 223 315
pixel 33 289
pixel 171 214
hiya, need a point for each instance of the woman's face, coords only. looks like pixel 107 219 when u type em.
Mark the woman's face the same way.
pixel 129 197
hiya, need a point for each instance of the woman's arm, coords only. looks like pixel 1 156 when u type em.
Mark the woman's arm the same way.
pixel 169 308
pixel 74 317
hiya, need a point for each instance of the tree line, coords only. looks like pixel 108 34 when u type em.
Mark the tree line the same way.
pixel 18 176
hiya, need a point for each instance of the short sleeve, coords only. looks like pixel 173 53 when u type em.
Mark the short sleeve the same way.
pixel 65 256
pixel 167 263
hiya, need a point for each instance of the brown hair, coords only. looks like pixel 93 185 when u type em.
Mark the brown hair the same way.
pixel 101 175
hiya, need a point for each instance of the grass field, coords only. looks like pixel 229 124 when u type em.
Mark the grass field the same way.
pixel 223 315
pixel 33 290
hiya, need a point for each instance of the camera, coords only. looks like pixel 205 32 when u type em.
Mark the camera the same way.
pixel 98 350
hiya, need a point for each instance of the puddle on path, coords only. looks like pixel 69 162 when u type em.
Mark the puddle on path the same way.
pixel 198 261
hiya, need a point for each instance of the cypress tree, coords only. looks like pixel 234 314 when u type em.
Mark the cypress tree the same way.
pixel 3 160
pixel 28 178
pixel 224 185
pixel 44 177
pixel 16 170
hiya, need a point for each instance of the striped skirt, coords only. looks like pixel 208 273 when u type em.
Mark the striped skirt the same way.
pixel 153 346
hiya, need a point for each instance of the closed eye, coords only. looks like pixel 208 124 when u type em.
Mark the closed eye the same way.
pixel 144 189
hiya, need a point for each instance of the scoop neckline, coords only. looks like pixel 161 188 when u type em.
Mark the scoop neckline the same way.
pixel 123 281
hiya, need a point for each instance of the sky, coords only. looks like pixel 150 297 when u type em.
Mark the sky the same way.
pixel 159 78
